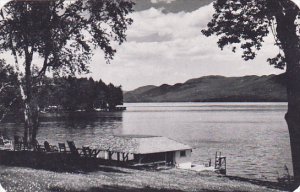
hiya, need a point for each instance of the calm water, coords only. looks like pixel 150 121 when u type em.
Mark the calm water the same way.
pixel 253 136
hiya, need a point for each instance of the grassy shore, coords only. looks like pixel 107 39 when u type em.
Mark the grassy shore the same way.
pixel 116 179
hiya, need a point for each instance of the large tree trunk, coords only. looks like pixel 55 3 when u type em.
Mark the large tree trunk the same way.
pixel 30 105
pixel 287 34
pixel 31 119
pixel 293 120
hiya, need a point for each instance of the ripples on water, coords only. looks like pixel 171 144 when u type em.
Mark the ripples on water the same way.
pixel 253 136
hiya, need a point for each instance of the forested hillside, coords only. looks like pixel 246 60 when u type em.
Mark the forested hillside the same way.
pixel 70 93
pixel 215 89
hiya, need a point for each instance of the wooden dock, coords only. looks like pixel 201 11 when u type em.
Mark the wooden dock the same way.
pixel 218 167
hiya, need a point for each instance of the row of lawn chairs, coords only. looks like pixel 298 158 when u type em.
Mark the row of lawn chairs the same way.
pixel 85 151
pixel 19 145
pixel 44 148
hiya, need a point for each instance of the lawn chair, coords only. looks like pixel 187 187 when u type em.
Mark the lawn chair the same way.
pixel 73 149
pixel 95 153
pixel 24 144
pixel 62 147
pixel 1 142
pixel 17 143
pixel 50 148
pixel 37 146
pixel 6 144
pixel 86 151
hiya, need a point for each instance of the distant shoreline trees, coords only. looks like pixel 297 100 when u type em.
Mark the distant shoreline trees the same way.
pixel 58 94
pixel 73 94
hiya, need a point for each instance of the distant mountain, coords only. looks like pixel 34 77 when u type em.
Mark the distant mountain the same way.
pixel 269 88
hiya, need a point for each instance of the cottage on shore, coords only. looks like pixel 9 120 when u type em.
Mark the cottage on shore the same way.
pixel 144 150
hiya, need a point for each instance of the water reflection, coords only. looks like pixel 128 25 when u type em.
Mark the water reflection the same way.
pixel 81 120
pixel 83 128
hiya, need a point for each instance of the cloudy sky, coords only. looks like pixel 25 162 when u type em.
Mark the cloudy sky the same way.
pixel 165 45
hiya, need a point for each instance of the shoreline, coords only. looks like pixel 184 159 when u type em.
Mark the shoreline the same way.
pixel 117 179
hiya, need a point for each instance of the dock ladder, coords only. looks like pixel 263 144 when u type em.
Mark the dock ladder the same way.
pixel 220 163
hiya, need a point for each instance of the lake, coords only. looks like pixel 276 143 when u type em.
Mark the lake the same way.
pixel 253 136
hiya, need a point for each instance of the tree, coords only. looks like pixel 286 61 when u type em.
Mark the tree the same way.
pixel 246 23
pixel 114 96
pixel 9 97
pixel 63 34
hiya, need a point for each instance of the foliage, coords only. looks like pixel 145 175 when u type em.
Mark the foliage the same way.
pixel 64 34
pixel 71 94
pixel 9 95
pixel 247 23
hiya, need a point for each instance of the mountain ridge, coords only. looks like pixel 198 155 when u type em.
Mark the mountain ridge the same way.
pixel 215 88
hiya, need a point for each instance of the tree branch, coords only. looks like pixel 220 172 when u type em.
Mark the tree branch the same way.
pixel 4 86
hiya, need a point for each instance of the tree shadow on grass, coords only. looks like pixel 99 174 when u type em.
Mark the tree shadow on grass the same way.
pixel 81 170
pixel 106 188
pixel 268 184
pixel 90 170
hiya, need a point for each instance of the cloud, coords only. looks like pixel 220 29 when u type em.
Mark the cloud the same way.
pixel 3 2
pixel 169 48
pixel 165 1
pixel 154 37
pixel 173 6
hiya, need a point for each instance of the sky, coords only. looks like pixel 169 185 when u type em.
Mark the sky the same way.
pixel 165 46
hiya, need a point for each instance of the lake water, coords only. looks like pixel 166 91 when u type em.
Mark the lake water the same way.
pixel 253 136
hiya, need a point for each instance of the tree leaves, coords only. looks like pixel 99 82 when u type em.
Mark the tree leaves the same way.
pixel 9 95
pixel 247 23
pixel 64 33
pixel 278 61
pixel 71 94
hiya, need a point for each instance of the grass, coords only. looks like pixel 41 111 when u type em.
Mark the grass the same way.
pixel 116 179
